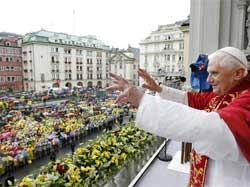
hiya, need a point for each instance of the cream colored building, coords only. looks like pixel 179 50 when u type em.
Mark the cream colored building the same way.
pixel 53 59
pixel 187 71
pixel 126 63
pixel 162 52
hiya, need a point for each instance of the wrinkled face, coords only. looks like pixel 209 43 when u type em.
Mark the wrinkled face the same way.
pixel 221 79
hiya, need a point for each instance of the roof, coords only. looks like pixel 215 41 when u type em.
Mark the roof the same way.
pixel 64 39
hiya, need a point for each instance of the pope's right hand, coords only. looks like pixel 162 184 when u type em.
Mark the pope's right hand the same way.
pixel 149 81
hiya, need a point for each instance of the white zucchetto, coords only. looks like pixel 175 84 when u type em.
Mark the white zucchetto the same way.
pixel 236 53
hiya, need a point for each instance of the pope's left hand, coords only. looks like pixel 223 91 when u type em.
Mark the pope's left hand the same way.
pixel 129 93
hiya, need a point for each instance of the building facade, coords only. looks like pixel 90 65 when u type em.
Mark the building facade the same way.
pixel 126 63
pixel 162 52
pixel 187 71
pixel 61 60
pixel 216 24
pixel 11 77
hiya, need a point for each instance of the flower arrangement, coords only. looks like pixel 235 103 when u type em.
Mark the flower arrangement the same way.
pixel 95 164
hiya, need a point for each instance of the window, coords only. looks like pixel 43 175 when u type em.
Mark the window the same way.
pixel 168 57
pixel 90 76
pixel 67 51
pixel 42 77
pixel 98 54
pixel 173 58
pixel 89 69
pixel 173 68
pixel 120 65
pixel 89 60
pixel 181 45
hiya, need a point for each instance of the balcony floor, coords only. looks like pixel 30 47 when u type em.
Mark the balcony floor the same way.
pixel 159 175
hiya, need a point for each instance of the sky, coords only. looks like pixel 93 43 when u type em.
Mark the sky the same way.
pixel 118 23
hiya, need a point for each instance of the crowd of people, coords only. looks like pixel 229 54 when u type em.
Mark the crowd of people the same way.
pixel 37 132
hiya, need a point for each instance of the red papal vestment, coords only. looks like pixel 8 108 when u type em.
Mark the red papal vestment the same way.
pixel 234 109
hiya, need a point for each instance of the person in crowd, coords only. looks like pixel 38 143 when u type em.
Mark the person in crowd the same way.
pixel 217 123
pixel 120 118
pixel 9 181
pixel 72 146
pixel 53 155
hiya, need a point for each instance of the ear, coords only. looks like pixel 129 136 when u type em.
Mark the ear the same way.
pixel 239 74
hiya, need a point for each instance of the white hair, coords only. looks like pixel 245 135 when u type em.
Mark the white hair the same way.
pixel 227 61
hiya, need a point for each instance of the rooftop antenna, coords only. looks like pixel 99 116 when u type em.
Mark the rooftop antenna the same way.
pixel 74 24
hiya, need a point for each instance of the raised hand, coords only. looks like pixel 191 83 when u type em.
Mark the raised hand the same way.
pixel 129 93
pixel 149 81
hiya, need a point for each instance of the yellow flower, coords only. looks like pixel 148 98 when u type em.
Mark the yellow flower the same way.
pixel 74 176
pixel 94 157
pixel 97 163
pixel 123 156
pixel 26 182
pixel 96 152
pixel 106 154
pixel 85 169
pixel 40 179
pixel 114 160
pixel 113 141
